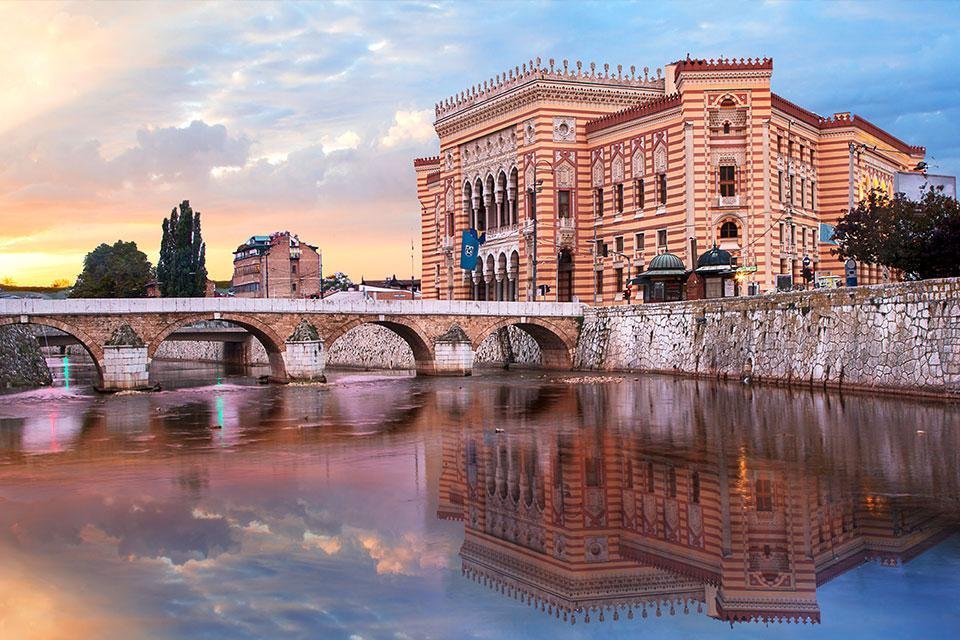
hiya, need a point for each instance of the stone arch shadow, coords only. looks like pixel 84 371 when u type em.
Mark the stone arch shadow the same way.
pixel 91 346
pixel 408 331
pixel 273 343
pixel 556 351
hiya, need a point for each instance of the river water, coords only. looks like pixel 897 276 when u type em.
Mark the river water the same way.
pixel 506 505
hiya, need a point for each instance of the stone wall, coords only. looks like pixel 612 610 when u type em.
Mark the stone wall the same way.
pixel 901 337
pixel 21 362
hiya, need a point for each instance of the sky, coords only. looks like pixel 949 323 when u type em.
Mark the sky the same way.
pixel 306 116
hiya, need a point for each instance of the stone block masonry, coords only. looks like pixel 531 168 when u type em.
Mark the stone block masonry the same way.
pixel 903 337
pixel 125 368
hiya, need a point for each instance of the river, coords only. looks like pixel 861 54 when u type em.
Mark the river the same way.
pixel 505 505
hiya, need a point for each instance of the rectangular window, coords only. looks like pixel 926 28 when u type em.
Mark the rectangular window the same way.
pixel 598 248
pixel 563 204
pixel 672 482
pixel 781 234
pixel 811 156
pixel 293 268
pixel 780 185
pixel 803 192
pixel 618 244
pixel 695 487
pixel 663 188
pixel 650 486
pixel 813 195
pixel 638 242
pixel 728 181
pixel 790 189
pixel 801 153
pixel 598 202
pixel 779 144
pixel 764 494
pixel 638 188
pixel 789 148
pixel 293 287
pixel 618 279
pixel 662 239
pixel 598 276
pixel 618 192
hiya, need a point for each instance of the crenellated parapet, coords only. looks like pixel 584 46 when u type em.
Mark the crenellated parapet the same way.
pixel 535 70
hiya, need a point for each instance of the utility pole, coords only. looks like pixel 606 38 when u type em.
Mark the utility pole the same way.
pixel 320 269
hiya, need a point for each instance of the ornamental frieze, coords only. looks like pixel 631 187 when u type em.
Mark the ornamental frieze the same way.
pixel 564 129
pixel 490 154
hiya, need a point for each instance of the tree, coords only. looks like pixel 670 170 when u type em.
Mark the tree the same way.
pixel 339 281
pixel 182 267
pixel 113 271
pixel 919 238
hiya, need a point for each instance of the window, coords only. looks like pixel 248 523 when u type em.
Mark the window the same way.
pixel 598 202
pixel 726 128
pixel 729 230
pixel 789 148
pixel 663 188
pixel 764 494
pixel 811 156
pixel 813 195
pixel 618 244
pixel 695 487
pixel 293 268
pixel 728 181
pixel 662 239
pixel 801 153
pixel 672 482
pixel 781 234
pixel 628 474
pixel 780 185
pixel 598 278
pixel 618 279
pixel 790 189
pixel 803 192
pixel 293 287
pixel 563 204
pixel 650 477
pixel 618 194
pixel 779 144
pixel 638 192
pixel 638 242
pixel 598 248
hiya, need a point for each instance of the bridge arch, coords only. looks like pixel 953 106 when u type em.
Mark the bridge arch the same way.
pixel 408 330
pixel 272 342
pixel 555 347
pixel 93 348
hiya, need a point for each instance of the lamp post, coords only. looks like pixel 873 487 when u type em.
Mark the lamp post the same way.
pixel 320 269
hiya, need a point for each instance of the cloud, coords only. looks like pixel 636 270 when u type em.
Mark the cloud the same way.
pixel 410 126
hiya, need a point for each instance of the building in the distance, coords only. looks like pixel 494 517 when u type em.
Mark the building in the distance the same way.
pixel 630 164
pixel 276 266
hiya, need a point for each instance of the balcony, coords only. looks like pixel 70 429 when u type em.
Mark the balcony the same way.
pixel 728 201
pixel 447 243
pixel 566 223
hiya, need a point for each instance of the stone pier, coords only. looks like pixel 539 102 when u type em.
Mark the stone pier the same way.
pixel 305 361
pixel 453 354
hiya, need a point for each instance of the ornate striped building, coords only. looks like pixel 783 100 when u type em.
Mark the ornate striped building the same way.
pixel 621 165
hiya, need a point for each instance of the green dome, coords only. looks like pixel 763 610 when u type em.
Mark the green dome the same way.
pixel 666 262
pixel 715 259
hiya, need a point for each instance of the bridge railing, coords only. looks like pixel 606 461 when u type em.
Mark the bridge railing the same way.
pixel 111 306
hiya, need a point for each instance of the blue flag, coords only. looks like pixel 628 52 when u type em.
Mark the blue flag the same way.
pixel 469 248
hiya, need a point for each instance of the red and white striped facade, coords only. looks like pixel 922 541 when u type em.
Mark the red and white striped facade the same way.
pixel 677 160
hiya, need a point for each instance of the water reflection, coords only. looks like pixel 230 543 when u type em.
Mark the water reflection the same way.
pixel 601 521
pixel 351 509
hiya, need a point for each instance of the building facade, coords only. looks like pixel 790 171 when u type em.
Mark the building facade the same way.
pixel 276 266
pixel 580 176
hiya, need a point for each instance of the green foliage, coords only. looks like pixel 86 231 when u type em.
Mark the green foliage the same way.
pixel 182 267
pixel 339 281
pixel 920 239
pixel 117 271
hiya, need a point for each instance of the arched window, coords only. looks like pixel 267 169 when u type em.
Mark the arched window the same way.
pixel 726 128
pixel 728 230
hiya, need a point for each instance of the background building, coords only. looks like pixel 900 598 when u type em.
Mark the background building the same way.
pixel 640 163
pixel 276 266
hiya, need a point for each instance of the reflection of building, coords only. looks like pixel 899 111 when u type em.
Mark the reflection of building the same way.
pixel 276 266
pixel 595 523
pixel 644 163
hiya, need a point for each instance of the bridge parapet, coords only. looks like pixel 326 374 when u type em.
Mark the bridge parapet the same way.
pixel 123 306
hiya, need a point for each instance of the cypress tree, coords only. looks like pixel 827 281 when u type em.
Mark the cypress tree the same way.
pixel 182 270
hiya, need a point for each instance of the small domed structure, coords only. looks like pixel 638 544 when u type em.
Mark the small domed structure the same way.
pixel 666 264
pixel 715 259
pixel 663 280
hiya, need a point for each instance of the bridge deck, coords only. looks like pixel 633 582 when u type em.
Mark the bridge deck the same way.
pixel 110 306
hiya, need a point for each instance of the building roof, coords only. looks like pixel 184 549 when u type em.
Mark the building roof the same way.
pixel 393 283
pixel 665 263
pixel 716 260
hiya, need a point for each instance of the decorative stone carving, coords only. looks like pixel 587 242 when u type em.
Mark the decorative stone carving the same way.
pixel 529 132
pixel 448 203
pixel 490 154
pixel 597 173
pixel 638 162
pixel 660 159
pixel 449 160
pixel 596 549
pixel 566 176
pixel 617 169
pixel 726 157
pixel 564 129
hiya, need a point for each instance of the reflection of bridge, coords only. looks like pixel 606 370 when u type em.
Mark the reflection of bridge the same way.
pixel 122 336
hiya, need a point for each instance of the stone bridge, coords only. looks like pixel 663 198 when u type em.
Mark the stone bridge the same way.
pixel 122 335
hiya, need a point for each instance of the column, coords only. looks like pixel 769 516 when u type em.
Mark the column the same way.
pixel 501 213
pixel 453 354
pixel 125 368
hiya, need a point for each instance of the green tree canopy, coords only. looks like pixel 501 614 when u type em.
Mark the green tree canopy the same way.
pixel 182 267
pixel 919 238
pixel 339 281
pixel 113 271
